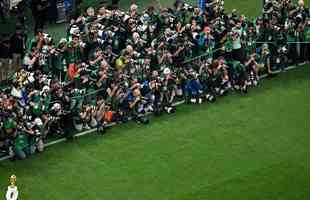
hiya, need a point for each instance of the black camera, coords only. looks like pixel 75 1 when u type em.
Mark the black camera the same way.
pixel 169 109
pixel 210 98
pixel 299 18
pixel 143 119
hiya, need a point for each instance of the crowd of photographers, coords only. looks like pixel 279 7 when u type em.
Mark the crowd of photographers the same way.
pixel 115 66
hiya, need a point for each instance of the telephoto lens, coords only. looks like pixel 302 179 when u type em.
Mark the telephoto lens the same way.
pixel 210 98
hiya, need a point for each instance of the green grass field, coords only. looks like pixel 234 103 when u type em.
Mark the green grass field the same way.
pixel 241 148
pixel 252 147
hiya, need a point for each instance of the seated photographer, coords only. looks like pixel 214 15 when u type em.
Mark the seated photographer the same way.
pixel 155 89
pixel 54 123
pixel 307 39
pixel 88 117
pixel 7 134
pixel 219 79
pixel 136 104
pixel 193 88
pixel 169 89
pixel 240 77
pixel 21 149
pixel 267 59
pixel 252 70
pixel 205 77
pixel 28 140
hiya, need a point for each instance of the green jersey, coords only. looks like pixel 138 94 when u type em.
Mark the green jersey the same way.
pixel 60 62
pixel 238 67
pixel 33 43
pixel 73 55
pixel 229 44
pixel 250 46
pixel 21 141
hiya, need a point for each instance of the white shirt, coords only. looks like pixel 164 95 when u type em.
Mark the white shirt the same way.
pixel 11 193
pixel 237 41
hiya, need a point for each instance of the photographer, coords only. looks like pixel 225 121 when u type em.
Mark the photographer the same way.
pixel 267 60
pixel 88 117
pixel 205 77
pixel 17 48
pixel 240 77
pixel 38 8
pixel 21 146
pixel 55 125
pixel 252 70
pixel 237 49
pixel 219 80
pixel 168 90
pixel 31 60
pixel 165 59
pixel 193 88
pixel 27 139
pixel 5 56
pixel 136 104
pixel 2 15
pixel 8 132
pixel 58 60
pixel 74 53
pixel 307 40
pixel 37 42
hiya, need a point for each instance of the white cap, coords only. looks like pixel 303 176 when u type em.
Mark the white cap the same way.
pixel 46 88
pixel 38 122
pixel 63 40
pixel 133 7
pixel 56 106
pixel 167 71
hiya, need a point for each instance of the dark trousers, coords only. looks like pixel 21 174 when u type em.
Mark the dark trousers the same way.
pixel 307 54
pixel 2 13
pixel 115 2
pixel 238 54
pixel 292 52
pixel 39 19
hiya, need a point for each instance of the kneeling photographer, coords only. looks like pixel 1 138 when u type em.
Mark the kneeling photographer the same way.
pixel 28 139
pixel 136 104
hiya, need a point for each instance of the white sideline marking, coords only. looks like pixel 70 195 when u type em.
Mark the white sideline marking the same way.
pixel 55 142
pixel 5 158
pixel 113 124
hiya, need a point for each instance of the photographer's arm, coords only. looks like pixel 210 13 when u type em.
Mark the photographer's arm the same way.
pixel 268 66
pixel 249 61
pixel 201 69
pixel 40 43
pixel 93 62
pixel 30 132
pixel 180 49
pixel 33 60
pixel 132 104
pixel 161 59
pixel 31 94
pixel 112 92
